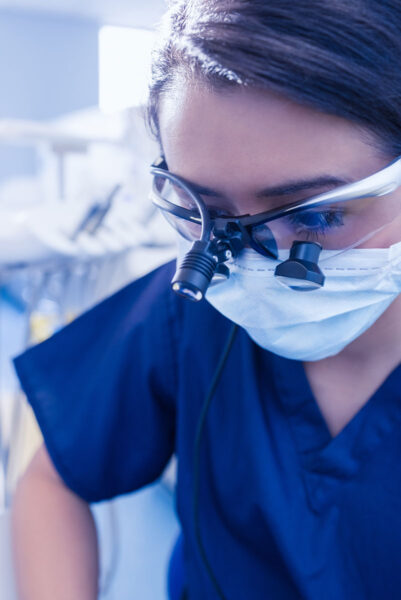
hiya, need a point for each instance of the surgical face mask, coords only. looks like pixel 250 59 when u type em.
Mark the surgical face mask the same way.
pixel 310 325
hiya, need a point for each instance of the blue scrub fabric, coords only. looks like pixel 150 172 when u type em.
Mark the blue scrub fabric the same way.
pixel 286 510
pixel 176 580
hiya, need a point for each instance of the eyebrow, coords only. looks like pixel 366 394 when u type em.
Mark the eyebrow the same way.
pixel 285 189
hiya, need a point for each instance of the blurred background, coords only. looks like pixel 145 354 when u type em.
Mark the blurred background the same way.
pixel 76 225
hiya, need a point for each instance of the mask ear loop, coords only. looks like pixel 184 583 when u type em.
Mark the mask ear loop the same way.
pixel 355 245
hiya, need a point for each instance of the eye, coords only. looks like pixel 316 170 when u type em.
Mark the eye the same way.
pixel 317 223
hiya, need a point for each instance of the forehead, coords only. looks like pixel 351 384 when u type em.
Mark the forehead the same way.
pixel 247 136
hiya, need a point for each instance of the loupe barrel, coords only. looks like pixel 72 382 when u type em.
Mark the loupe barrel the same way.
pixel 195 272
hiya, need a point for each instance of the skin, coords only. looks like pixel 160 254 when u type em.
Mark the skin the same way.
pixel 239 142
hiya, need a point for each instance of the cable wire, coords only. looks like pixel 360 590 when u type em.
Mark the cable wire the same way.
pixel 201 422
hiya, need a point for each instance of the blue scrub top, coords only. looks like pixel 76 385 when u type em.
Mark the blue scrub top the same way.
pixel 286 511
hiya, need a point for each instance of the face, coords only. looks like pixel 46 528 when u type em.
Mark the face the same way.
pixel 255 150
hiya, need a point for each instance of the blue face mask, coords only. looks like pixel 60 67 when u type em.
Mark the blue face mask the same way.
pixel 360 284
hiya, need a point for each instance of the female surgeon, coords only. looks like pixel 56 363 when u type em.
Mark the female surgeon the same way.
pixel 269 359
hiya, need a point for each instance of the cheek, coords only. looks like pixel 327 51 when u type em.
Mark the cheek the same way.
pixel 389 235
pixel 382 214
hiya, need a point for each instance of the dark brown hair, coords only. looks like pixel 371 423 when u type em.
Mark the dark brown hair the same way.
pixel 338 56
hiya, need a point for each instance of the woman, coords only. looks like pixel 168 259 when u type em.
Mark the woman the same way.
pixel 279 393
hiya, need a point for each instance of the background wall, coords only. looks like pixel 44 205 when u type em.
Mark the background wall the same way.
pixel 35 49
pixel 49 69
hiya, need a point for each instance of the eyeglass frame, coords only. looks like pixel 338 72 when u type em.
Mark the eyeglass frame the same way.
pixel 383 182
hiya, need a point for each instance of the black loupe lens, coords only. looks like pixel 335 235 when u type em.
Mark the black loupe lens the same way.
pixel 301 271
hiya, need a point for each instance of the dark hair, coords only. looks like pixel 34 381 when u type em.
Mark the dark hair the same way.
pixel 339 56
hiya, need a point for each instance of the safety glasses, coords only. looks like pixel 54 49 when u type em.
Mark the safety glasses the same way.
pixel 337 220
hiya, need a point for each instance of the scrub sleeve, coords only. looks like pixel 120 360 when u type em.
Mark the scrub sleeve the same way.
pixel 103 390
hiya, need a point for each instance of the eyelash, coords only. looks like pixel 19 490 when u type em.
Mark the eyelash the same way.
pixel 326 220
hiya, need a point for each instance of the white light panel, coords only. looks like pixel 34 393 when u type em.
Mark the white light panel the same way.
pixel 124 67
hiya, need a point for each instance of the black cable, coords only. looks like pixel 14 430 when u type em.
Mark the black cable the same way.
pixel 201 422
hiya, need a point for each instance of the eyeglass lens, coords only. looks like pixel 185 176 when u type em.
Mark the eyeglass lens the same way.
pixel 335 227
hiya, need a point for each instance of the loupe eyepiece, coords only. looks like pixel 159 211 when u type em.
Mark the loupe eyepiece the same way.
pixel 301 271
pixel 195 272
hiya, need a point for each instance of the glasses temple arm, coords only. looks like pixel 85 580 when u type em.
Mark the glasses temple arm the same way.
pixel 384 182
